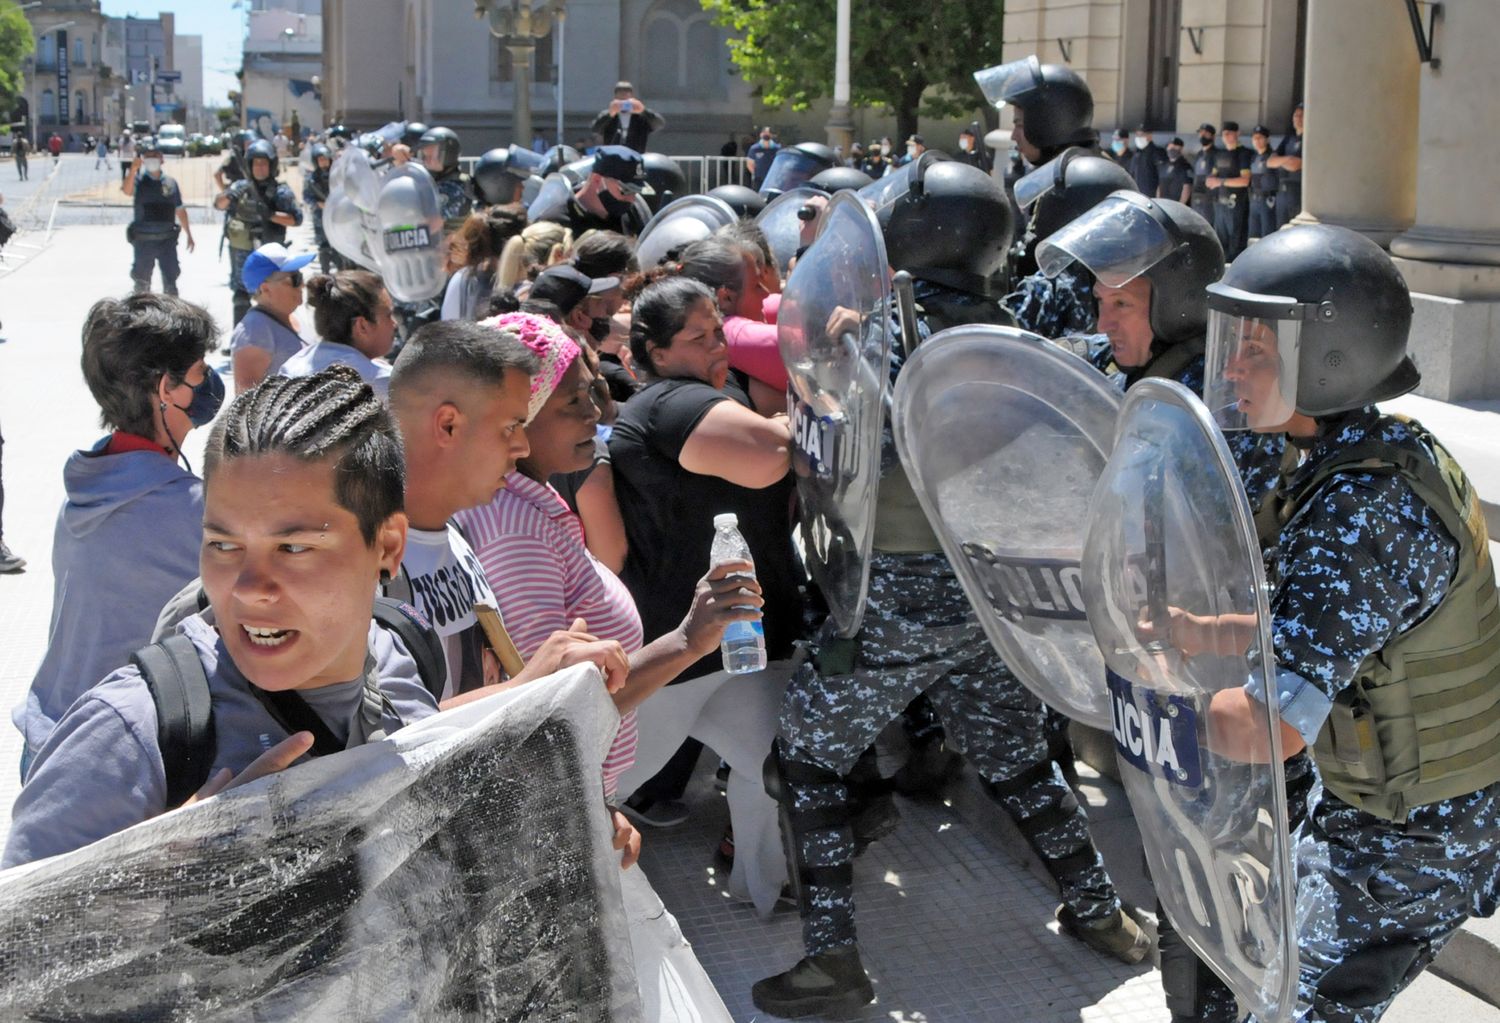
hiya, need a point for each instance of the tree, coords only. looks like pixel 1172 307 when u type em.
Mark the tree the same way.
pixel 916 59
pixel 16 44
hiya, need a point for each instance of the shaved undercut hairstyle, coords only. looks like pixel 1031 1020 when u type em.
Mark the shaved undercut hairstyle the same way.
pixel 331 415
pixel 468 352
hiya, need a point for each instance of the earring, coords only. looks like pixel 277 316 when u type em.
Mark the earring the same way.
pixel 385 576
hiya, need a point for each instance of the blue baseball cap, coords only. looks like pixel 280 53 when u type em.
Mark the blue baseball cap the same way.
pixel 269 259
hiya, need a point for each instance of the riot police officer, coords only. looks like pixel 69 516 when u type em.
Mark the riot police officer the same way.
pixel 1264 183
pixel 260 209
pixel 949 228
pixel 1055 194
pixel 1230 182
pixel 232 168
pixel 439 150
pixel 1288 165
pixel 1383 618
pixel 1203 169
pixel 159 217
pixel 1051 106
pixel 314 196
pixel 497 179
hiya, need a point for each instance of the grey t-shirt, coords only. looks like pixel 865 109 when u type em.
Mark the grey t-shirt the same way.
pixel 101 770
pixel 259 329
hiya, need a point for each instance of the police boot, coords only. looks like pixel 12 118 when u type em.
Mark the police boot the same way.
pixel 829 982
pixel 1119 935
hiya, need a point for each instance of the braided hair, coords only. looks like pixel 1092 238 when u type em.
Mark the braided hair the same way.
pixel 332 414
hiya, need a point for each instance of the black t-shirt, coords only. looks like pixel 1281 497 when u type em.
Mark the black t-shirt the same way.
pixel 1263 179
pixel 669 516
pixel 622 383
pixel 1229 164
pixel 1290 146
pixel 1175 174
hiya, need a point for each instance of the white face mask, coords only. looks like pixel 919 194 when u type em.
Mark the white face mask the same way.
pixel 885 149
pixel 151 165
pixel 965 144
pixel 911 150
pixel 1142 141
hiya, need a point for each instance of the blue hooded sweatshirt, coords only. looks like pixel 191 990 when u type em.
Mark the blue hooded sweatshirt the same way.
pixel 127 540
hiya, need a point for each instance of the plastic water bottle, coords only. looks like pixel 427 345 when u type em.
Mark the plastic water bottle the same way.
pixel 744 645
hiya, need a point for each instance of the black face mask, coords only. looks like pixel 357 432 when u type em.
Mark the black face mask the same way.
pixel 616 207
pixel 1207 140
pixel 599 328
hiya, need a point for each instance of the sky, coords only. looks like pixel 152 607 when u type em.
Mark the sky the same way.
pixel 221 23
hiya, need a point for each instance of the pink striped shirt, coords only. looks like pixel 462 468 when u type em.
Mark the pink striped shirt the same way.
pixel 531 547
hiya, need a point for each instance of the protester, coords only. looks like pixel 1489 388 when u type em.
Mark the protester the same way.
pixel 128 535
pixel 527 254
pixel 476 254
pixel 733 271
pixel 19 147
pixel 266 337
pixel 356 325
pixel 685 449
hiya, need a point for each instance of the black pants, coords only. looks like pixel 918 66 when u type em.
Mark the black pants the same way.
pixel 1288 204
pixel 1232 223
pixel 21 165
pixel 151 253
pixel 1262 215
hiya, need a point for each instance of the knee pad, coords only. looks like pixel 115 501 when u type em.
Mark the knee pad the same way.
pixel 782 775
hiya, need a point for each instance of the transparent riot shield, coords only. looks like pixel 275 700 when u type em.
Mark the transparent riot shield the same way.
pixel 781 225
pixel 835 337
pixel 349 212
pixel 1003 436
pixel 551 202
pixel 1175 592
pixel 410 246
pixel 681 222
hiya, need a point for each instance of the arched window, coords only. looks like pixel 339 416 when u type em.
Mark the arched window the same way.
pixel 49 105
pixel 684 52
pixel 80 107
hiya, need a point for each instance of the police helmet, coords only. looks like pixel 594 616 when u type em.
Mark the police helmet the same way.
pixel 411 134
pixel 558 157
pixel 496 178
pixel 372 144
pixel 242 139
pixel 1056 106
pixel 1066 187
pixel 794 165
pixel 745 201
pixel 339 131
pixel 317 151
pixel 950 224
pixel 666 178
pixel 260 149
pixel 1339 312
pixel 1129 235
pixel 836 179
pixel 446 140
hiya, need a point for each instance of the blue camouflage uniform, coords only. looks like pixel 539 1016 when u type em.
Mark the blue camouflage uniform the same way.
pixel 456 199
pixel 1364 560
pixel 253 204
pixel 315 191
pixel 920 635
pixel 1055 306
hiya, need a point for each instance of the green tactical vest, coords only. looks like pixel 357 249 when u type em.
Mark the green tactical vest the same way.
pixel 1421 721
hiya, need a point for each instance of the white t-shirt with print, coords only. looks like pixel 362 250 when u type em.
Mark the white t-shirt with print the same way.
pixel 446 581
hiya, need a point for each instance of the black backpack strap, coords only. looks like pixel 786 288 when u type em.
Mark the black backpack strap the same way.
pixel 184 713
pixel 419 638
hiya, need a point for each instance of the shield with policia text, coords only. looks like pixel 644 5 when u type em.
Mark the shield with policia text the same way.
pixel 1003 436
pixel 680 223
pixel 835 338
pixel 1175 591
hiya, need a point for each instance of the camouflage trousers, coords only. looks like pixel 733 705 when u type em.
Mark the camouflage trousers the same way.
pixel 920 636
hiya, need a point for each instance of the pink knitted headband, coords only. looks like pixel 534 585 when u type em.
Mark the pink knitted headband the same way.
pixel 550 343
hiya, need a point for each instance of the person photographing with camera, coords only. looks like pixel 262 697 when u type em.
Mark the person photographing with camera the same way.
pixel 626 121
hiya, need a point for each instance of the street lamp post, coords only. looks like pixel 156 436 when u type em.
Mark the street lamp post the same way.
pixel 840 125
pixel 518 26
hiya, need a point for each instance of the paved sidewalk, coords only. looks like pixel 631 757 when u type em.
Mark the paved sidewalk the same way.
pixel 955 929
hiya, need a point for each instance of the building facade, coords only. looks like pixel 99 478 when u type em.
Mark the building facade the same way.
pixel 187 54
pixel 68 84
pixel 283 68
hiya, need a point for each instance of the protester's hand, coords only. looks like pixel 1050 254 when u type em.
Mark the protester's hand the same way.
pixel 841 321
pixel 627 839
pixel 274 760
pixel 728 593
pixel 576 646
pixel 1226 635
pixel 400 154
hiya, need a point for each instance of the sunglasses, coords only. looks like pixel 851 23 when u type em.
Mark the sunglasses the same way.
pixel 294 278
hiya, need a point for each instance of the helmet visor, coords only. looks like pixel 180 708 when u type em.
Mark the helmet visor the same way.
pixel 1004 82
pixel 790 168
pixel 1250 365
pixel 1117 240
pixel 1038 183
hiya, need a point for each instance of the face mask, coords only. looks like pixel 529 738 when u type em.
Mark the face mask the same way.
pixel 151 165
pixel 599 328
pixel 885 149
pixel 615 207
pixel 1173 152
pixel 911 150
pixel 1207 140
pixel 965 144
pixel 1141 142
pixel 1117 146
pixel 765 140
pixel 207 398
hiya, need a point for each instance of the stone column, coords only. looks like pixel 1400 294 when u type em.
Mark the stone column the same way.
pixel 1360 154
pixel 1451 257
pixel 840 127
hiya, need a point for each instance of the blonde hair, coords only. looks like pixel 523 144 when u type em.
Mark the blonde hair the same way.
pixel 542 244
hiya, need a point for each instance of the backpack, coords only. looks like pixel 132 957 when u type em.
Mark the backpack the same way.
pixel 184 712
